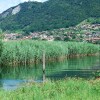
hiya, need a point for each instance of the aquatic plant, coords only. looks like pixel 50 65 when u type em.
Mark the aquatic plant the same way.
pixel 29 51
pixel 71 89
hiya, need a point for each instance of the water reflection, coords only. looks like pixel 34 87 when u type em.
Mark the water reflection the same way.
pixel 12 77
pixel 10 84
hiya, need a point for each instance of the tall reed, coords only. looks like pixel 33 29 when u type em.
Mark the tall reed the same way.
pixel 29 51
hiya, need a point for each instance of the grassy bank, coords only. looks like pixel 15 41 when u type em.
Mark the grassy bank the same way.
pixel 28 51
pixel 68 89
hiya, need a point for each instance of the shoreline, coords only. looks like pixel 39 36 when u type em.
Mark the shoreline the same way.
pixel 61 89
pixel 57 59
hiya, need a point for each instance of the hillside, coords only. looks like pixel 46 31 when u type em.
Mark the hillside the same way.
pixel 88 30
pixel 52 14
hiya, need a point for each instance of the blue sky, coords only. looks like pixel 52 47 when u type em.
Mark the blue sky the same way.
pixel 5 4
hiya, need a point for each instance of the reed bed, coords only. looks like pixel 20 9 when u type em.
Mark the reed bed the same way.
pixel 29 51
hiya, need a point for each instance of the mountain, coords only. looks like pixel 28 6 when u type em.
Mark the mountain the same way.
pixel 52 14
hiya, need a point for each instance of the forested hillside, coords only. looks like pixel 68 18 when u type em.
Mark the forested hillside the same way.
pixel 52 14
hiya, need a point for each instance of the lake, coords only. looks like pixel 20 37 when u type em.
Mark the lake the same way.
pixel 84 67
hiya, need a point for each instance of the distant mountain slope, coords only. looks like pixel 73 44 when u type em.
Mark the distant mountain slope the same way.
pixel 53 14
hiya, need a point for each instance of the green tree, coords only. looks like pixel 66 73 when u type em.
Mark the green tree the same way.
pixel 1 34
pixel 1 43
pixel 53 14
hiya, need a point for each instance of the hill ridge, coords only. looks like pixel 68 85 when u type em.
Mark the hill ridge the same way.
pixel 52 14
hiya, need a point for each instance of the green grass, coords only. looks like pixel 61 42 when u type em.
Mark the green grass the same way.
pixel 29 51
pixel 68 89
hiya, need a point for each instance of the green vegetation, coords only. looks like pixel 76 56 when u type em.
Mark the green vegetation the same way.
pixel 93 20
pixel 34 72
pixel 90 21
pixel 1 47
pixel 52 14
pixel 28 51
pixel 1 43
pixel 71 89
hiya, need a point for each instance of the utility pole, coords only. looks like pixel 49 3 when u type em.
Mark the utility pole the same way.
pixel 43 66
pixel 43 61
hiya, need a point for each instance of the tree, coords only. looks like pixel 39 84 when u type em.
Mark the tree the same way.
pixel 1 43
pixel 1 34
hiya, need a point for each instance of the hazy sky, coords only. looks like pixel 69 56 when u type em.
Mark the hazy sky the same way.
pixel 5 4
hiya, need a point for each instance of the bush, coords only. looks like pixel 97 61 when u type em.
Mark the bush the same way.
pixel 1 47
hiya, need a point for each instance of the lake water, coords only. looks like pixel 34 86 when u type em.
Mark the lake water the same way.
pixel 85 67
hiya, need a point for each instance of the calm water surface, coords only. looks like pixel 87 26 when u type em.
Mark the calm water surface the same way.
pixel 85 67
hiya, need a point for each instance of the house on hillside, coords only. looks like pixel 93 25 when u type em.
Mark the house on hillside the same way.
pixel 11 36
